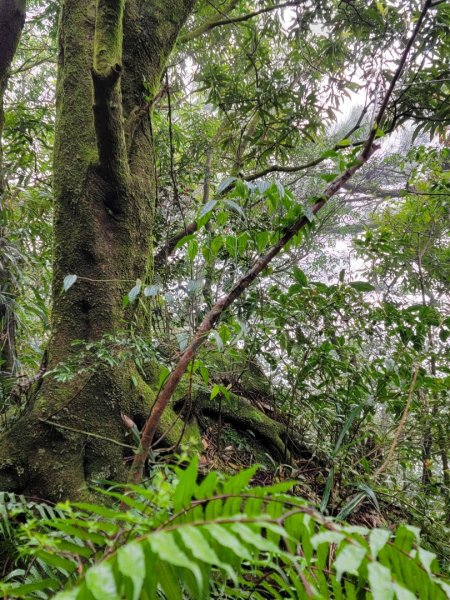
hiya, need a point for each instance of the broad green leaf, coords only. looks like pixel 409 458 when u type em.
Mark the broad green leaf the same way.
pixel 235 207
pixel 426 558
pixel 169 582
pixel 77 532
pixel 349 560
pixel 215 391
pixel 236 483
pixel 134 292
pixel 73 594
pixel 24 591
pixel 329 154
pixel 101 583
pixel 402 593
pixel 250 536
pixel 225 185
pixel 208 486
pixel 326 537
pixel 218 339
pixel 280 188
pixel 362 286
pixel 131 562
pixel 187 482
pixel 184 240
pixel 56 561
pixel 150 291
pixel 444 586
pixel 378 538
pixel 163 375
pixel 344 143
pixel 207 208
pixel 183 340
pixel 227 538
pixel 69 280
pixel 380 582
pixel 328 177
pixel 192 250
pixel 195 541
pixel 241 189
pixel 405 537
pixel 299 276
pixel 163 545
pixel 203 370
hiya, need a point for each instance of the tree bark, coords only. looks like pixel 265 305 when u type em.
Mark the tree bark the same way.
pixel 104 208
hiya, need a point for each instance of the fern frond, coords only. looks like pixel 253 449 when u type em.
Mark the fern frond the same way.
pixel 216 539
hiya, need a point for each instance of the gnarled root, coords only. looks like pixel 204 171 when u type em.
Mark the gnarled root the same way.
pixel 242 415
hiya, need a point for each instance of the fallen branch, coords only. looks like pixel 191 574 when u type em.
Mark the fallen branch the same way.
pixel 244 282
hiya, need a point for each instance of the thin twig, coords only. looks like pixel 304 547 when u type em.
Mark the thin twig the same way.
pixel 207 27
pixel 88 433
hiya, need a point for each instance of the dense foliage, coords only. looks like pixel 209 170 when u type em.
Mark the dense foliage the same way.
pixel 331 369
pixel 216 539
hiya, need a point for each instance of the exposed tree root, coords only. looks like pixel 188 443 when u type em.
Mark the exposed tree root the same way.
pixel 242 415
pixel 73 434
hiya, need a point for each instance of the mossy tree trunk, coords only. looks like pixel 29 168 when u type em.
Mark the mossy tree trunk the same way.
pixel 112 54
pixel 104 207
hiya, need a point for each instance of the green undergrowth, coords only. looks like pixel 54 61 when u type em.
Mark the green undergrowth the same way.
pixel 183 535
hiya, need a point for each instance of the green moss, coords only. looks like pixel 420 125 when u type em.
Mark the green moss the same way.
pixel 174 431
pixel 243 416
pixel 104 249
pixel 108 35
pixel 74 99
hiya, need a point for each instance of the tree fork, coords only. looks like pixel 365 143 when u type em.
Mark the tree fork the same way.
pixel 106 76
pixel 103 228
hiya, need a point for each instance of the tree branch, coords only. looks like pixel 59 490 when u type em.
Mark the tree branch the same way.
pixel 210 25
pixel 244 282
pixel 165 251
pixel 312 163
